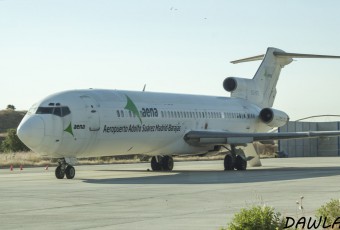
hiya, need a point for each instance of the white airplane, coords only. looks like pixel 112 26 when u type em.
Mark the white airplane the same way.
pixel 93 123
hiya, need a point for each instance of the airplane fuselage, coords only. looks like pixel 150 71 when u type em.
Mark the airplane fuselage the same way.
pixel 113 122
pixel 93 123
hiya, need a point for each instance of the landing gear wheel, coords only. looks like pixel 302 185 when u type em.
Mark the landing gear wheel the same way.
pixel 64 168
pixel 240 163
pixel 228 163
pixel 167 163
pixel 70 172
pixel 59 173
pixel 155 166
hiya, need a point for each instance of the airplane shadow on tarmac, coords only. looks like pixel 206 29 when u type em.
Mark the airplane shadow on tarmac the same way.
pixel 221 177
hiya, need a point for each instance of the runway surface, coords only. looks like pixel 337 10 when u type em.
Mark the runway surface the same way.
pixel 196 195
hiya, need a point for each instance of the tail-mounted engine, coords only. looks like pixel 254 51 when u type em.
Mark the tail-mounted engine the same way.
pixel 242 88
pixel 273 117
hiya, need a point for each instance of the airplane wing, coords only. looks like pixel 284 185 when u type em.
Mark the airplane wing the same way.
pixel 205 137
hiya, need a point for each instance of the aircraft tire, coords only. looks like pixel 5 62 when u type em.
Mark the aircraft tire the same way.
pixel 228 163
pixel 240 163
pixel 155 166
pixel 167 163
pixel 70 172
pixel 59 174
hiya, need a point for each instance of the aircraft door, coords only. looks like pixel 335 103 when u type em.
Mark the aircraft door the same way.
pixel 92 106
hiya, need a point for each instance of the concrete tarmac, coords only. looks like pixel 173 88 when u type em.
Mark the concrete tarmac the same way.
pixel 196 195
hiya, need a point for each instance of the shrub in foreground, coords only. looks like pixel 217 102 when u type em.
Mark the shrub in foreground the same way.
pixel 256 217
pixel 330 212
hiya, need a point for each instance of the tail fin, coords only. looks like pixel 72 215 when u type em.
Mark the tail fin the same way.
pixel 268 73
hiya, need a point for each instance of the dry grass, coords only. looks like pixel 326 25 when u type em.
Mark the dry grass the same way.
pixel 23 158
pixel 111 160
pixel 267 150
pixel 34 159
pixel 199 158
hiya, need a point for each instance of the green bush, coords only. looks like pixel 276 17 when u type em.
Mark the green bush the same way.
pixel 12 143
pixel 257 217
pixel 12 107
pixel 331 210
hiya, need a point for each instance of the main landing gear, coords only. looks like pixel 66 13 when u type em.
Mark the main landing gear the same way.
pixel 64 169
pixel 162 163
pixel 233 161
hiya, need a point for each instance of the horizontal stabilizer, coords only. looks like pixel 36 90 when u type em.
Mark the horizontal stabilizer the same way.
pixel 296 55
pixel 283 54
pixel 255 58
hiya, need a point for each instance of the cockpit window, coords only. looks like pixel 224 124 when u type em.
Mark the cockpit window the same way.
pixel 45 110
pixel 65 111
pixel 32 110
pixel 60 111
pixel 57 111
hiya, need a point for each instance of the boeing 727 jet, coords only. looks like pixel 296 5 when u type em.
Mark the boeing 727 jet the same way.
pixel 94 123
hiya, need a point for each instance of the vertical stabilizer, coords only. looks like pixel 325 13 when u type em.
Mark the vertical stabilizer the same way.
pixel 268 74
pixel 261 90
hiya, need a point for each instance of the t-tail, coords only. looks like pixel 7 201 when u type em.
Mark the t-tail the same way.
pixel 261 90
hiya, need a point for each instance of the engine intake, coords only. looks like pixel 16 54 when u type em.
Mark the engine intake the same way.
pixel 273 117
pixel 230 84
pixel 243 88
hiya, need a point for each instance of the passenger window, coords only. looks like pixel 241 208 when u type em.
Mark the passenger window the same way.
pixel 118 114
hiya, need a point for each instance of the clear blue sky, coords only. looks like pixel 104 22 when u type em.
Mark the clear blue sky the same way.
pixel 176 46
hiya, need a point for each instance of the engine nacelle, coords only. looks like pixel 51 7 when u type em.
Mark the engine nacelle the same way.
pixel 230 84
pixel 273 117
pixel 242 88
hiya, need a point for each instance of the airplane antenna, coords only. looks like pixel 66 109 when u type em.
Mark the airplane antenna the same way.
pixel 144 87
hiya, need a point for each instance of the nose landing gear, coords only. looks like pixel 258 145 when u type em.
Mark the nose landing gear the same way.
pixel 63 169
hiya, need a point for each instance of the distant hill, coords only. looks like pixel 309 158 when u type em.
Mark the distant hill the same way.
pixel 10 119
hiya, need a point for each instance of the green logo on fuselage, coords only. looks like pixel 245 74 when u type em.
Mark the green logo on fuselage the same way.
pixel 69 129
pixel 132 107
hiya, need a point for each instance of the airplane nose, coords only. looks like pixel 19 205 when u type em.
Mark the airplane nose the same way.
pixel 31 131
